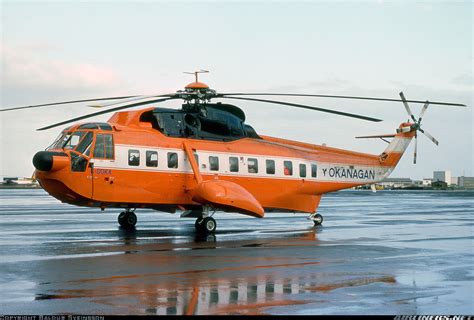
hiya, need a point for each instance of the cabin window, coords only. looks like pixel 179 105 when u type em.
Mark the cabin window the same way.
pixel 234 164
pixel 104 146
pixel 133 157
pixel 172 160
pixel 302 170
pixel 196 157
pixel 314 170
pixel 213 163
pixel 270 166
pixel 288 168
pixel 152 159
pixel 252 165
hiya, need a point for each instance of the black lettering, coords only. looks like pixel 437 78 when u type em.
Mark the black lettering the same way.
pixel 343 173
pixel 331 172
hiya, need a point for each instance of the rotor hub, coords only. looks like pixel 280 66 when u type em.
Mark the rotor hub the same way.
pixel 196 85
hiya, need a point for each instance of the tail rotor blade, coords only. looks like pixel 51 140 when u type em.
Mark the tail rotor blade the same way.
pixel 423 111
pixel 416 147
pixel 405 103
pixel 429 136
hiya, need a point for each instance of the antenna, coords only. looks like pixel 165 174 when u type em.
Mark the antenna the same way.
pixel 197 72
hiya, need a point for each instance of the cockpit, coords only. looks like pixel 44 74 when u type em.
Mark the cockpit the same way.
pixel 81 140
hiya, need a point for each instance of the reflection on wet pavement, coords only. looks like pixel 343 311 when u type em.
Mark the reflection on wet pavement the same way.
pixel 386 253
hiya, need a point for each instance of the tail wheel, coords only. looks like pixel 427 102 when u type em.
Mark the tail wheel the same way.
pixel 317 219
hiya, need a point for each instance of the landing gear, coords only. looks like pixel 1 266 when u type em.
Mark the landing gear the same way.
pixel 205 224
pixel 316 218
pixel 127 219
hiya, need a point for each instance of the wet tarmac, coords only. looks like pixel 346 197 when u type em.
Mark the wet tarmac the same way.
pixel 392 252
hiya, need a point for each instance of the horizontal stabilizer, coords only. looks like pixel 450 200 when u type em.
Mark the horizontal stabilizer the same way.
pixel 377 136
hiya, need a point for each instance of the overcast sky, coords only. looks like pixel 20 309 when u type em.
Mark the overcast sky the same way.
pixel 70 50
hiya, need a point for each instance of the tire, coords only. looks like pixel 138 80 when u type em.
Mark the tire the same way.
pixel 121 218
pixel 198 224
pixel 209 225
pixel 127 220
pixel 318 219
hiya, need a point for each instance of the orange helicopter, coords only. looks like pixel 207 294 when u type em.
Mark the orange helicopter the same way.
pixel 204 157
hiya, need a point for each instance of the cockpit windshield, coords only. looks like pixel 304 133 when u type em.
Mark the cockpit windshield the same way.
pixel 79 140
pixel 73 140
pixel 59 141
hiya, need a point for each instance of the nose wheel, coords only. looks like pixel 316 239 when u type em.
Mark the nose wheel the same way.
pixel 205 225
pixel 127 219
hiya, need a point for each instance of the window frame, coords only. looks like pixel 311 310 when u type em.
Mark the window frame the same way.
pixel 130 151
pixel 267 161
pixel 315 166
pixel 168 157
pixel 303 165
pixel 211 163
pixel 290 168
pixel 236 162
pixel 148 160
pixel 96 138
pixel 256 165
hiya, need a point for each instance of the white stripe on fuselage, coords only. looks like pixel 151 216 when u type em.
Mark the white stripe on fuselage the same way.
pixel 330 172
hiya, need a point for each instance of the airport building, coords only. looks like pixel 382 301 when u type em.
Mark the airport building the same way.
pixel 444 176
pixel 466 182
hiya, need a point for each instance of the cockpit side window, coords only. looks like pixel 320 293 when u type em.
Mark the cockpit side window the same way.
pixel 85 143
pixel 104 146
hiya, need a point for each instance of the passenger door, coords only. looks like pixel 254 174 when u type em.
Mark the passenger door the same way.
pixel 103 168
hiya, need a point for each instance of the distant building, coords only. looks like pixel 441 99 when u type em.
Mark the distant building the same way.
pixel 466 182
pixel 444 176
pixel 396 183
pixel 454 181
pixel 427 182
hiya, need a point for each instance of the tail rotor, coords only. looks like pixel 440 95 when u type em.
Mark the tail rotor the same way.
pixel 417 124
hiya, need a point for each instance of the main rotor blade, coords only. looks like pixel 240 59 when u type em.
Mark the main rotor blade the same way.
pixel 136 104
pixel 135 98
pixel 308 107
pixel 65 102
pixel 407 107
pixel 429 136
pixel 339 97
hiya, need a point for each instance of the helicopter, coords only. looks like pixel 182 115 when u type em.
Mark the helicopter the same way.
pixel 205 157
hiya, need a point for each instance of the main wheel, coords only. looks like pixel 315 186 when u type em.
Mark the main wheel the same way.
pixel 318 219
pixel 209 225
pixel 205 225
pixel 127 219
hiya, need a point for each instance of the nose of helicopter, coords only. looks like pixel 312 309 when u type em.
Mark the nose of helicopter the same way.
pixel 49 160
